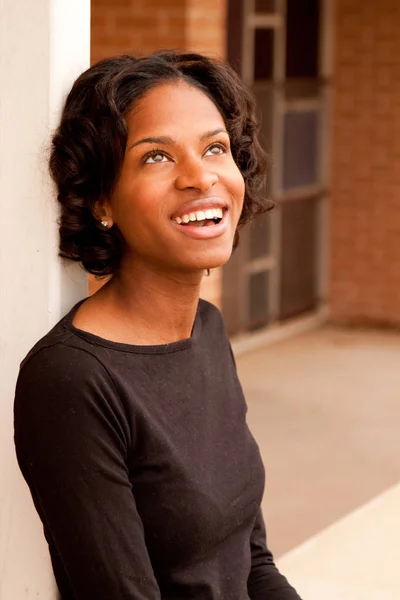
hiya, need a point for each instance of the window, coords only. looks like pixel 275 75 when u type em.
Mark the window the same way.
pixel 277 271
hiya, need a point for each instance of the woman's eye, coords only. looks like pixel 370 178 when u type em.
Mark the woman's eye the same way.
pixel 215 150
pixel 155 157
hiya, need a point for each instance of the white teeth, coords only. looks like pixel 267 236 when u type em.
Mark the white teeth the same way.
pixel 210 213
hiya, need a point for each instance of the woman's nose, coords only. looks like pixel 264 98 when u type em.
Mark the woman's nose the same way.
pixel 197 176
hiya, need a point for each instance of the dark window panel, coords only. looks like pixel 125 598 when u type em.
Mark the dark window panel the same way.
pixel 259 234
pixel 263 53
pixel 234 37
pixel 265 6
pixel 300 149
pixel 298 279
pixel 258 300
pixel 302 38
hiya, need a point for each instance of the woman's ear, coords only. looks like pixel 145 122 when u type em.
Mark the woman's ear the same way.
pixel 102 214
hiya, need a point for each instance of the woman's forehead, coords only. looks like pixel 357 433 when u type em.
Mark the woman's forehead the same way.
pixel 174 106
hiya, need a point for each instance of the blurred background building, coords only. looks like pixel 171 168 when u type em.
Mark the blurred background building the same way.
pixel 326 78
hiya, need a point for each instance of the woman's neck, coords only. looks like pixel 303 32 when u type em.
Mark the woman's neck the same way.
pixel 150 306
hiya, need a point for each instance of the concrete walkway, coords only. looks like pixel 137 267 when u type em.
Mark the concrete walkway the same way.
pixel 357 558
pixel 325 410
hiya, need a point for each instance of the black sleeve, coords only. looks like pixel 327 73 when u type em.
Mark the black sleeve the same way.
pixel 265 582
pixel 72 436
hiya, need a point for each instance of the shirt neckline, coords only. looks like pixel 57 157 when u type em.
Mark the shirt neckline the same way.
pixel 138 349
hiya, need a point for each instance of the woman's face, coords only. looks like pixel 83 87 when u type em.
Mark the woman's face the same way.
pixel 180 194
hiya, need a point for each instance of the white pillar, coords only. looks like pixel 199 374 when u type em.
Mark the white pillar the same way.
pixel 44 45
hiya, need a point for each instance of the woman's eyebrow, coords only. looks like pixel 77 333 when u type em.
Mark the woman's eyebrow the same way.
pixel 165 139
pixel 211 133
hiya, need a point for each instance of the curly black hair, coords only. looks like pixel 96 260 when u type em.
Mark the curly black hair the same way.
pixel 88 147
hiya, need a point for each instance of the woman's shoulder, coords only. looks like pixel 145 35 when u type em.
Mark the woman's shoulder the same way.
pixel 210 313
pixel 59 376
pixel 213 326
pixel 61 355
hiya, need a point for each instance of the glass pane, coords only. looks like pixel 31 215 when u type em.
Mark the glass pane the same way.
pixel 258 300
pixel 300 148
pixel 259 236
pixel 302 38
pixel 263 53
pixel 265 6
pixel 298 276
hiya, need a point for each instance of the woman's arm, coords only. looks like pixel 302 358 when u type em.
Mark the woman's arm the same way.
pixel 265 582
pixel 72 439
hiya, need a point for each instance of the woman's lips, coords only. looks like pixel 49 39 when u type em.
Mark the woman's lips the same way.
pixel 205 231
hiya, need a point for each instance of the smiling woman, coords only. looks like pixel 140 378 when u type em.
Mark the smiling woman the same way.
pixel 130 422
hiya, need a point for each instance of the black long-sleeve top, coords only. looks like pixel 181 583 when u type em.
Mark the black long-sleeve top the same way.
pixel 142 468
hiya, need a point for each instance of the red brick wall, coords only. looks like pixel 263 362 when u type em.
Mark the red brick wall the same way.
pixel 136 26
pixel 365 214
pixel 142 26
pixel 206 26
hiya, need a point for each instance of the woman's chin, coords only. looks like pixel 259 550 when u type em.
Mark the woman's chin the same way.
pixel 213 260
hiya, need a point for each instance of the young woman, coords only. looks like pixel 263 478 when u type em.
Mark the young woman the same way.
pixel 130 422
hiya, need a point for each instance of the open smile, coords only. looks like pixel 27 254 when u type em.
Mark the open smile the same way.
pixel 204 224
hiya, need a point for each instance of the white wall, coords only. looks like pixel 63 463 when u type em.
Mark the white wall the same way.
pixel 44 45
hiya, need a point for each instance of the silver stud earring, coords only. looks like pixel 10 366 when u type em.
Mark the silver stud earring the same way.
pixel 105 224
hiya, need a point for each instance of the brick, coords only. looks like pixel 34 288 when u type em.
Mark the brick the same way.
pixel 365 207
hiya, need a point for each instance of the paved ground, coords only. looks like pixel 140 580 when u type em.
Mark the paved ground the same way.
pixel 325 410
pixel 356 558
